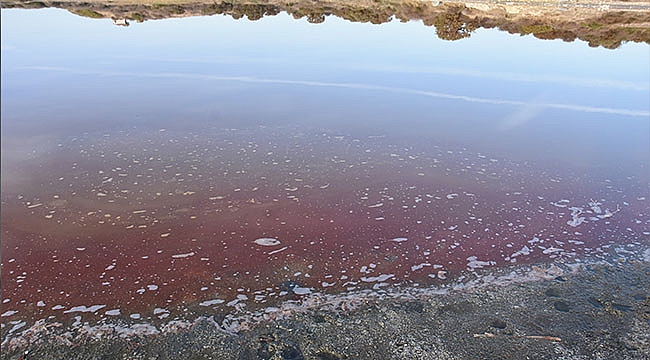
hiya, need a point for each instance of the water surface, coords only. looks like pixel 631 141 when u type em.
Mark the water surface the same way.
pixel 219 165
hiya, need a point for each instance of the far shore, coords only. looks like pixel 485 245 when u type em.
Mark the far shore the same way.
pixel 607 23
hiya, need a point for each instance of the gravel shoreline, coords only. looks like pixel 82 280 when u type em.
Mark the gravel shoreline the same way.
pixel 598 312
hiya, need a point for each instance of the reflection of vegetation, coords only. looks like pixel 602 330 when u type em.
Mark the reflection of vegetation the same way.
pixel 251 11
pixel 365 15
pixel 34 5
pixel 314 16
pixel 88 13
pixel 172 9
pixel 594 25
pixel 452 21
pixel 453 25
pixel 254 12
pixel 216 8
pixel 137 17
pixel 536 29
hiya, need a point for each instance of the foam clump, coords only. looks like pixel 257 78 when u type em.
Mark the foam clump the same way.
pixel 267 242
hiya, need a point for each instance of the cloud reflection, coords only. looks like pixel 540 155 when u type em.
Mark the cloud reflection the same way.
pixel 356 86
pixel 447 71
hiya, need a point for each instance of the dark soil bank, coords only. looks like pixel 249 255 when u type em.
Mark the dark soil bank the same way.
pixel 599 312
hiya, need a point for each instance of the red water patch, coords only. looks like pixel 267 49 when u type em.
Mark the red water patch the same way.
pixel 169 220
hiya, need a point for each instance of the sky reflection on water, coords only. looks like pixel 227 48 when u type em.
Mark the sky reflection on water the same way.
pixel 374 154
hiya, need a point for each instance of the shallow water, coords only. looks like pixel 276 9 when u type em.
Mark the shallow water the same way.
pixel 219 165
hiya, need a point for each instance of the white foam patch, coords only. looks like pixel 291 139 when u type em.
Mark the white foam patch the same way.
pixel 474 263
pixel 212 302
pixel 379 278
pixel 535 239
pixel 419 266
pixel 576 219
pixel 301 290
pixel 9 313
pixel 524 251
pixel 595 206
pixel 399 239
pixel 551 250
pixel 278 250
pixel 17 326
pixel 114 312
pixel 267 241
pixel 83 308
pixel 182 256
pixel 136 330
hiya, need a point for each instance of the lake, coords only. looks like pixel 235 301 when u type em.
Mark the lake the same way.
pixel 186 167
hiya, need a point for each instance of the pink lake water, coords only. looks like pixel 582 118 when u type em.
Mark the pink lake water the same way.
pixel 135 221
pixel 223 176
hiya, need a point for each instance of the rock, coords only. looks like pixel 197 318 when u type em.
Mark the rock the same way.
pixel 291 352
pixel 498 324
pixel 562 306
pixel 553 292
